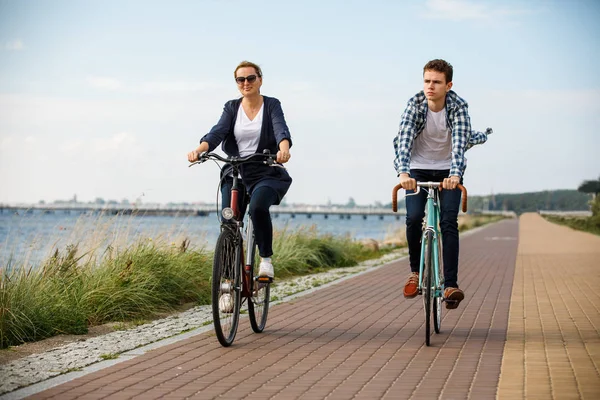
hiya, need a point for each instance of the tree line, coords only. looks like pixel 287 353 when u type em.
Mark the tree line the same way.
pixel 548 200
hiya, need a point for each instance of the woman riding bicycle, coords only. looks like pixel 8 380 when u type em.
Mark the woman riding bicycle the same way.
pixel 252 124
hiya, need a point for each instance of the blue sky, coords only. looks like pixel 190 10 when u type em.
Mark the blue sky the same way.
pixel 105 98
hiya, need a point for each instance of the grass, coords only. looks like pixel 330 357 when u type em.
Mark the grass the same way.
pixel 471 221
pixel 304 251
pixel 109 356
pixel 586 224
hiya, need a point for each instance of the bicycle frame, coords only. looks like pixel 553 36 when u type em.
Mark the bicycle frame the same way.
pixel 432 225
pixel 246 267
pixel 246 289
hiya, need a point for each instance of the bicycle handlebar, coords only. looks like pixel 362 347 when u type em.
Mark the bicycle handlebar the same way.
pixel 269 158
pixel 430 185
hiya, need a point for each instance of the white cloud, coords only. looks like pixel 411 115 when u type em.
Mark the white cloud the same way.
pixel 101 82
pixel 14 45
pixel 458 10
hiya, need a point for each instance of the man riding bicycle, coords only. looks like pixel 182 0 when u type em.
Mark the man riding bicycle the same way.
pixel 435 131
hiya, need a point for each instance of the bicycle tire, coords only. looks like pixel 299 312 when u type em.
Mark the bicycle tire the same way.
pixel 437 303
pixel 226 282
pixel 427 293
pixel 258 303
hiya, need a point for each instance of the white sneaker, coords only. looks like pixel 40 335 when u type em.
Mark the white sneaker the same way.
pixel 266 268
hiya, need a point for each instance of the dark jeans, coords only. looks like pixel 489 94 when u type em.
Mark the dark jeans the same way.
pixel 260 201
pixel 415 211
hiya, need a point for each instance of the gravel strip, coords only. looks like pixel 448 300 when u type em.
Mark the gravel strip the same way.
pixel 74 356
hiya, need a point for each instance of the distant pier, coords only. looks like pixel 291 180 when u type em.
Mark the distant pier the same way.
pixel 309 212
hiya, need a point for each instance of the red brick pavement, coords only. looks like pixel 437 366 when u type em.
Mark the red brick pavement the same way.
pixel 357 339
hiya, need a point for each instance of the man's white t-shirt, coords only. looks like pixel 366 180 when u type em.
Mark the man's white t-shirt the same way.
pixel 432 149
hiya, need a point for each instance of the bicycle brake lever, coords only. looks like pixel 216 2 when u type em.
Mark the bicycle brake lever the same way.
pixel 416 192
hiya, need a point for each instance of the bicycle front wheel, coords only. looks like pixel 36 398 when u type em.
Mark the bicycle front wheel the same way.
pixel 427 292
pixel 226 295
pixel 437 303
pixel 258 303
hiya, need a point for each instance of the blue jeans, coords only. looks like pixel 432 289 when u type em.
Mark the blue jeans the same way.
pixel 415 211
pixel 262 198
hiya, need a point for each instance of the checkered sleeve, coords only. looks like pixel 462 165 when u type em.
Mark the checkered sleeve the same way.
pixel 403 142
pixel 477 137
pixel 461 129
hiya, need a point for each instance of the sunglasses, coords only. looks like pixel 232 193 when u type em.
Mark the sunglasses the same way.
pixel 241 79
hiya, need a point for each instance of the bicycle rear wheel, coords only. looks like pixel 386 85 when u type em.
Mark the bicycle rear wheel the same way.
pixel 427 292
pixel 226 295
pixel 437 303
pixel 258 303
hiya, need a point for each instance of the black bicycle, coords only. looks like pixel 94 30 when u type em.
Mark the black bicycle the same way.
pixel 235 279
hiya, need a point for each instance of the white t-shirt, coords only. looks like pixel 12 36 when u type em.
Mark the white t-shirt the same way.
pixel 432 149
pixel 247 132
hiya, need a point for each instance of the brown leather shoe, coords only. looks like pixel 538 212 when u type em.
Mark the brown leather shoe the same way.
pixel 453 297
pixel 411 288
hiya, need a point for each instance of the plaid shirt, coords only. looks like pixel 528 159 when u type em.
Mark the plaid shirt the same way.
pixel 457 119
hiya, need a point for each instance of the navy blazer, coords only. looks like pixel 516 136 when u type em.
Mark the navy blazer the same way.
pixel 274 129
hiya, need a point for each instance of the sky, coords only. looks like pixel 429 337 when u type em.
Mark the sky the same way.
pixel 106 98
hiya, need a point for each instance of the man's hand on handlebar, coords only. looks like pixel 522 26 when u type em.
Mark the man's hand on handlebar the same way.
pixel 407 182
pixel 451 182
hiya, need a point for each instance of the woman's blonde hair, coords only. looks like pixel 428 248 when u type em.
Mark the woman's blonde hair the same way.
pixel 245 64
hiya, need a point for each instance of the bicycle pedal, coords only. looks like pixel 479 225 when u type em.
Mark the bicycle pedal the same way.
pixel 263 279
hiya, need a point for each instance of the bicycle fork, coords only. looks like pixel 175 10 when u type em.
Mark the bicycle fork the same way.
pixel 247 267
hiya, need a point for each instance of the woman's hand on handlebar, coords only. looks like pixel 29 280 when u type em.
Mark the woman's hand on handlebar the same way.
pixel 283 155
pixel 407 182
pixel 194 155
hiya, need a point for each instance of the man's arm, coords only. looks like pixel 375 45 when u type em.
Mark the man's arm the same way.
pixel 461 129
pixel 477 137
pixel 403 142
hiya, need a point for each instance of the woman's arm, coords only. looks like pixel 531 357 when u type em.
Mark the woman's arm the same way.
pixel 283 138
pixel 219 132
pixel 280 128
pixel 216 135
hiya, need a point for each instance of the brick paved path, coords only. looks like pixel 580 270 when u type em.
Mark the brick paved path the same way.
pixel 553 344
pixel 359 338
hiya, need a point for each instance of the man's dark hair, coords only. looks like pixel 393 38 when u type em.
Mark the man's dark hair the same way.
pixel 439 66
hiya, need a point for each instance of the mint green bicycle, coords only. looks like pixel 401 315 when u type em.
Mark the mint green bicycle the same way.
pixel 431 273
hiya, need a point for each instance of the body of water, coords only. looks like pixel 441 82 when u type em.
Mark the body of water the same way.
pixel 31 236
